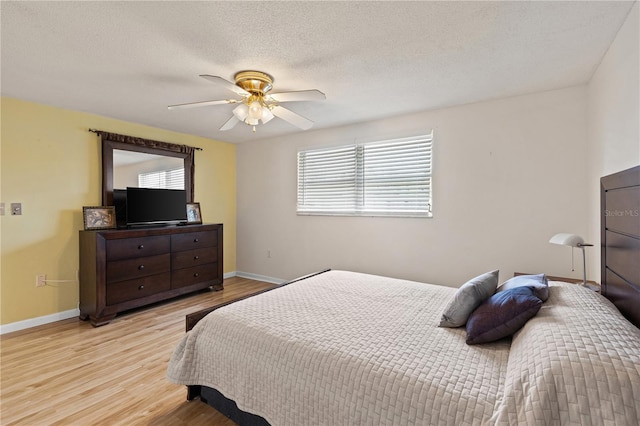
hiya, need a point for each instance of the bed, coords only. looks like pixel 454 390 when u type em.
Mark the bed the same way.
pixel 345 348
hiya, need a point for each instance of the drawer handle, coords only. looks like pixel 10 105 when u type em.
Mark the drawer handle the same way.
pixel 195 240
pixel 141 287
pixel 196 257
pixel 141 267
pixel 196 275
pixel 141 246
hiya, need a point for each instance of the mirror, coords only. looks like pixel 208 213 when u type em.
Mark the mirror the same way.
pixel 125 157
pixel 138 169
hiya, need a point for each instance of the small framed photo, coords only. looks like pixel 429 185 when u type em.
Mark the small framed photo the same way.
pixel 193 213
pixel 99 217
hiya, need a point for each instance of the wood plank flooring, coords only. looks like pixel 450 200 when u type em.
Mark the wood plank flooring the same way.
pixel 70 373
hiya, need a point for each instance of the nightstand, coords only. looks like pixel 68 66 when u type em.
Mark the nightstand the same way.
pixel 591 285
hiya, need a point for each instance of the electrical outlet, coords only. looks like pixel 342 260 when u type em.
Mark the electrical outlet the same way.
pixel 41 280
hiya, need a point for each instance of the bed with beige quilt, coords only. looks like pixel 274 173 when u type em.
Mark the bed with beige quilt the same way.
pixel 345 348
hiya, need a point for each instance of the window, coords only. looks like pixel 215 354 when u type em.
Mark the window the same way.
pixel 166 179
pixel 386 178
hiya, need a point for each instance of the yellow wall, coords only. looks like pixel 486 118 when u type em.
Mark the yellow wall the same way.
pixel 51 164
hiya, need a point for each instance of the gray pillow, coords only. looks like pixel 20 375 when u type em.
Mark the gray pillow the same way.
pixel 538 283
pixel 468 298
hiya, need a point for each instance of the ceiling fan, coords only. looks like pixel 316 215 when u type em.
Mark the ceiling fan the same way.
pixel 256 104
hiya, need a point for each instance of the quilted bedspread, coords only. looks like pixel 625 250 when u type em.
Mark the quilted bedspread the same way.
pixel 344 348
pixel 576 362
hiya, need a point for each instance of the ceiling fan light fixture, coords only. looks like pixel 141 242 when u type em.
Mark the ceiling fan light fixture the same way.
pixel 241 112
pixel 267 115
pixel 255 110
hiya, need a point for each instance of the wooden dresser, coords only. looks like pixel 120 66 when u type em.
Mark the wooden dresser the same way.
pixel 125 269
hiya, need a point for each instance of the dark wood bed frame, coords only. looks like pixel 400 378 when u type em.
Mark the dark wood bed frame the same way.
pixel 620 228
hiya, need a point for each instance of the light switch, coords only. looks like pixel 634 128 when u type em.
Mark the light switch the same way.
pixel 2 209
pixel 16 209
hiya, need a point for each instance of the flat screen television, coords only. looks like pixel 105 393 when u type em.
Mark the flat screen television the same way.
pixel 147 206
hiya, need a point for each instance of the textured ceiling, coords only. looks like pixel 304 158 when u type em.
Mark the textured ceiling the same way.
pixel 130 60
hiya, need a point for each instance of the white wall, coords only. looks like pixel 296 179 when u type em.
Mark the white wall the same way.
pixel 613 120
pixel 508 174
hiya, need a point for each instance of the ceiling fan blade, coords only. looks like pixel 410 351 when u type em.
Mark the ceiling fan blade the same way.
pixel 226 84
pixel 292 117
pixel 230 124
pixel 301 95
pixel 201 104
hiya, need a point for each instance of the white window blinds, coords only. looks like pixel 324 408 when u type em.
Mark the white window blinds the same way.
pixel 386 178
pixel 166 179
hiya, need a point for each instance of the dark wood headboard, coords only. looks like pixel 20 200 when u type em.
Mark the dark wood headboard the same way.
pixel 620 239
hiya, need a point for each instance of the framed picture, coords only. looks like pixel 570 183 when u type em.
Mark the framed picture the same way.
pixel 193 213
pixel 99 217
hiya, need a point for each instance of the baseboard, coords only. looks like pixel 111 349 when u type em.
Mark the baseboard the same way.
pixel 260 277
pixel 34 322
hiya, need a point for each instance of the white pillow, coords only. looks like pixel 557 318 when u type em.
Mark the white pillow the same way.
pixel 468 297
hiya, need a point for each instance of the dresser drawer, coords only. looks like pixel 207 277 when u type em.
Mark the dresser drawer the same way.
pixel 197 274
pixel 189 258
pixel 119 270
pixel 193 240
pixel 124 291
pixel 138 247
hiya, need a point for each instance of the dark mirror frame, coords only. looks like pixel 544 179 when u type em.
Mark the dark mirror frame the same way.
pixel 111 141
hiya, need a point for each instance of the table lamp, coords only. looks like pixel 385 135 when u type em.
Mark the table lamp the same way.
pixel 573 240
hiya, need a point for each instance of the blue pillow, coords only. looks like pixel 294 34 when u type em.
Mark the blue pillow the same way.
pixel 502 315
pixel 467 298
pixel 538 283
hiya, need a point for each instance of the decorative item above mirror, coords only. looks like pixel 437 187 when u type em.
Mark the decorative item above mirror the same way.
pixel 153 159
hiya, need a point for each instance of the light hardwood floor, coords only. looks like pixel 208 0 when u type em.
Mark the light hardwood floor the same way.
pixel 70 373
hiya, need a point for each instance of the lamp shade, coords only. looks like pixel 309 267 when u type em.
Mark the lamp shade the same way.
pixel 255 111
pixel 266 115
pixel 571 240
pixel 241 112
